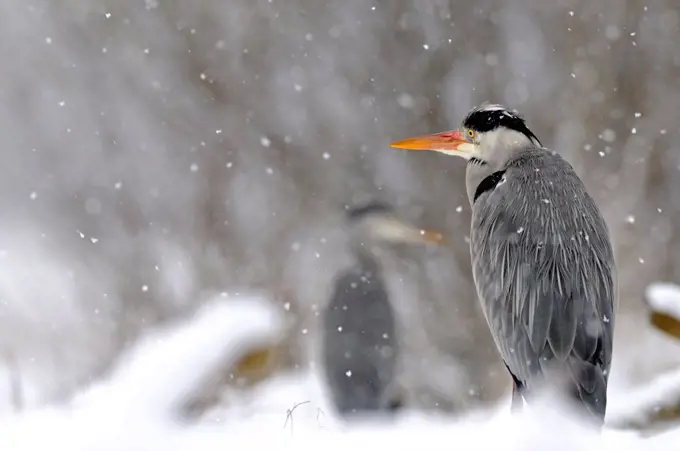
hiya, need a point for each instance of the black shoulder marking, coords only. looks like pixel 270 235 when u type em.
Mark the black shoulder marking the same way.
pixel 361 211
pixel 488 184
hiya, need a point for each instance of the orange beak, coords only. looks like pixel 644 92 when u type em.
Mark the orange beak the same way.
pixel 449 142
pixel 390 228
pixel 432 236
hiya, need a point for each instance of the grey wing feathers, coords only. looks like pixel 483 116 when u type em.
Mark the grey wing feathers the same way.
pixel 544 270
pixel 359 343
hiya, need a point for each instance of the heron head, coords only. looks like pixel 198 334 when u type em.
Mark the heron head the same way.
pixel 488 132
pixel 377 222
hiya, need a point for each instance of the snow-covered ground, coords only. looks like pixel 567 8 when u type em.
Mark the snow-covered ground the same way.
pixel 664 298
pixel 136 407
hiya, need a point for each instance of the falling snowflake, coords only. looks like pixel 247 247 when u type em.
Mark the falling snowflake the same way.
pixel 608 135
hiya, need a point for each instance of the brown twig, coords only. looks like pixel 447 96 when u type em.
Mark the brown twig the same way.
pixel 289 414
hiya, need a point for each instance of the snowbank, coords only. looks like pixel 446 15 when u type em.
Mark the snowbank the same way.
pixel 664 298
pixel 137 407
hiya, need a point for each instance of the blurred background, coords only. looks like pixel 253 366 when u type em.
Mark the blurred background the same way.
pixel 155 153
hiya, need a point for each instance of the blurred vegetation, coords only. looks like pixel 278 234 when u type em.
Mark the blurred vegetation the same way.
pixel 666 323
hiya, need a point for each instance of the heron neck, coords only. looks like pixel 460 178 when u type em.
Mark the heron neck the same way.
pixel 366 260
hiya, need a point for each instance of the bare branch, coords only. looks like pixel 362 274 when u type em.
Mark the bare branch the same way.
pixel 289 414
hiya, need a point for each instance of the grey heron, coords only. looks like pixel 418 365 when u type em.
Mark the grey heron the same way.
pixel 542 258
pixel 359 330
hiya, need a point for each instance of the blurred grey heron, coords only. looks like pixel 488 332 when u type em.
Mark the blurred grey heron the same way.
pixel 359 344
pixel 542 260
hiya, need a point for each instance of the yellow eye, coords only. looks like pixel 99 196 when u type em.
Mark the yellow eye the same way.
pixel 471 133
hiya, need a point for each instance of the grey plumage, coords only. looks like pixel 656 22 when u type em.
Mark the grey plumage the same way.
pixel 359 331
pixel 541 255
pixel 544 270
pixel 359 341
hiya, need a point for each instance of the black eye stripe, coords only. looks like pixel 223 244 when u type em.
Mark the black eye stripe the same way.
pixel 360 211
pixel 485 120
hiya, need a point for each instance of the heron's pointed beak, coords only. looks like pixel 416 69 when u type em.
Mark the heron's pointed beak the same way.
pixel 432 236
pixel 451 142
pixel 392 229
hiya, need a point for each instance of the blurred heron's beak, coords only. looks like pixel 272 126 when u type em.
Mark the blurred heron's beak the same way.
pixel 392 229
pixel 431 236
pixel 452 142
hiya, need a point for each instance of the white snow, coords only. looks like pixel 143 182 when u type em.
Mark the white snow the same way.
pixel 406 101
pixel 136 407
pixel 637 405
pixel 664 298
pixel 608 135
